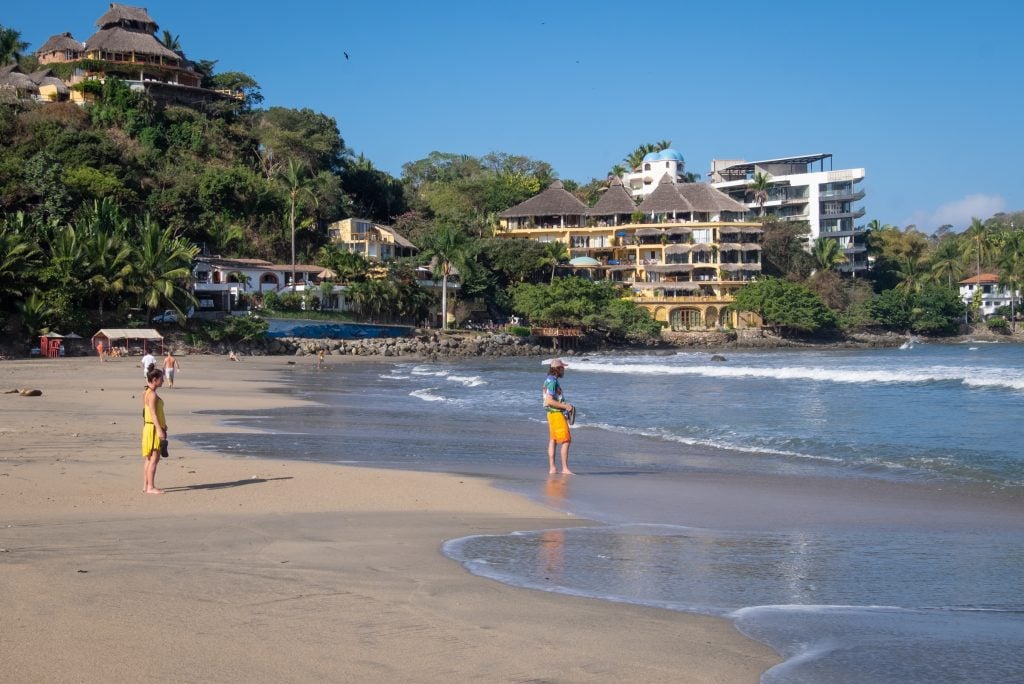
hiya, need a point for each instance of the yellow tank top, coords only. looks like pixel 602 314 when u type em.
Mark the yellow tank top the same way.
pixel 159 410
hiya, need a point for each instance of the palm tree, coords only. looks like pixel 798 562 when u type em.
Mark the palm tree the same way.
pixel 979 244
pixel 449 246
pixel 11 46
pixel 947 261
pixel 36 313
pixel 759 186
pixel 1011 262
pixel 162 266
pixel 110 264
pixel 171 42
pixel 827 253
pixel 297 184
pixel 554 254
pixel 636 158
pixel 19 257
pixel 912 273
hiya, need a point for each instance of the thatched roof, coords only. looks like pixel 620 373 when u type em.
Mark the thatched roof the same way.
pixel 120 40
pixel 555 201
pixel 123 15
pixel 669 268
pixel 616 200
pixel 60 43
pixel 46 77
pixel 677 249
pixel 707 199
pixel 399 240
pixel 12 77
pixel 665 199
pixel 648 232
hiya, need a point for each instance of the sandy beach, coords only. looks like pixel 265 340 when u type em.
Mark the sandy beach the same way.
pixel 267 570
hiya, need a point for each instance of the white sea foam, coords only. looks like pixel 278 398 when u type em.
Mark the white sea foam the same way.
pixel 839 375
pixel 425 394
pixel 394 377
pixel 714 444
pixel 467 380
pixel 430 371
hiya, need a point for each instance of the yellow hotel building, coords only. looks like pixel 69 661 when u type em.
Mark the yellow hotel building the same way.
pixel 683 261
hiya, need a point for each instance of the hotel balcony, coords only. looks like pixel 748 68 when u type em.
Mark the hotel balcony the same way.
pixel 850 195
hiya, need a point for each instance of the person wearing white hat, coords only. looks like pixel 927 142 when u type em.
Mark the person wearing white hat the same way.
pixel 558 426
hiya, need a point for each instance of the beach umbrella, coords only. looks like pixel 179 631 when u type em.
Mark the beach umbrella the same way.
pixel 584 262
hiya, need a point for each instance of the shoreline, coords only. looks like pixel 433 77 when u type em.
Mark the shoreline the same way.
pixel 326 571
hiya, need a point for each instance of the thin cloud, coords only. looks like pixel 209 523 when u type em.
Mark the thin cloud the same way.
pixel 958 213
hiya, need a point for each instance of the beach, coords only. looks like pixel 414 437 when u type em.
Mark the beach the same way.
pixel 280 570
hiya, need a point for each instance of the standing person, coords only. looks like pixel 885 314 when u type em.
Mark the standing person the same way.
pixel 147 361
pixel 320 359
pixel 170 366
pixel 154 430
pixel 558 426
pixel 99 350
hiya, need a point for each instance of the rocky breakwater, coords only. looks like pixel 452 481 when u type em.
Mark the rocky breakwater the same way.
pixel 424 344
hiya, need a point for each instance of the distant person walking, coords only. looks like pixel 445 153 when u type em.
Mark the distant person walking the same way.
pixel 170 368
pixel 154 430
pixel 556 407
pixel 147 361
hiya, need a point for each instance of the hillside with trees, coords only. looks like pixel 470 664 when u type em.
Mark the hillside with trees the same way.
pixel 103 209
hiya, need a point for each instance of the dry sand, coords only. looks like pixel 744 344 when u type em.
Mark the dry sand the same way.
pixel 278 571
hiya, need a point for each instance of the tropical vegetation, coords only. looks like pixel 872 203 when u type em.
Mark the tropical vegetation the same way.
pixel 104 208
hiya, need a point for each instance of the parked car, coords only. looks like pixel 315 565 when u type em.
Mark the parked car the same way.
pixel 168 316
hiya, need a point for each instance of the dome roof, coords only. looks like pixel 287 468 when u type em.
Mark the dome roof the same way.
pixel 668 154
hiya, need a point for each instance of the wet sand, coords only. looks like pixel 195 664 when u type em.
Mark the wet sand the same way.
pixel 266 570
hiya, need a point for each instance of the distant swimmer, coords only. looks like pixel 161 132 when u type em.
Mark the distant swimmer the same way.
pixel 557 408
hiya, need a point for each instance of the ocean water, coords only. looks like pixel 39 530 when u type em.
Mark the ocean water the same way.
pixel 860 511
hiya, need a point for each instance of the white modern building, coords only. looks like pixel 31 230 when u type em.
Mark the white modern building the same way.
pixel 803 189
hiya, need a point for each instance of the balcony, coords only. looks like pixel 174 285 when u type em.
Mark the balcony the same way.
pixel 850 195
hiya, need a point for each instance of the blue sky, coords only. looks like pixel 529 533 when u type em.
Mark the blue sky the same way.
pixel 926 96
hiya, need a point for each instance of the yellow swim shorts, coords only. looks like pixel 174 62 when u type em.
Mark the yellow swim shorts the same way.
pixel 558 428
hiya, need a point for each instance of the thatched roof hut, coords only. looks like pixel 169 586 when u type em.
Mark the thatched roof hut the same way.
pixel 62 45
pixel 11 77
pixel 708 200
pixel 130 18
pixel 666 199
pixel 118 40
pixel 615 201
pixel 555 201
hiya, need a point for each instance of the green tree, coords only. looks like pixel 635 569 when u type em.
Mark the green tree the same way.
pixel 451 249
pixel 162 268
pixel 946 261
pixel 11 46
pixel 1011 264
pixel 783 246
pixel 171 42
pixel 785 305
pixel 19 259
pixel 979 244
pixel 297 184
pixel 635 159
pixel 827 253
pixel 759 187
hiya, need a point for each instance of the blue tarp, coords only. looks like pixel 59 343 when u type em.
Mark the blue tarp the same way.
pixel 280 327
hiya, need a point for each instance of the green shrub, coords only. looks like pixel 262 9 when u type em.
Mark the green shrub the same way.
pixel 998 324
pixel 519 330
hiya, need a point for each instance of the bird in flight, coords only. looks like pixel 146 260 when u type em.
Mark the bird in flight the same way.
pixel 346 54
